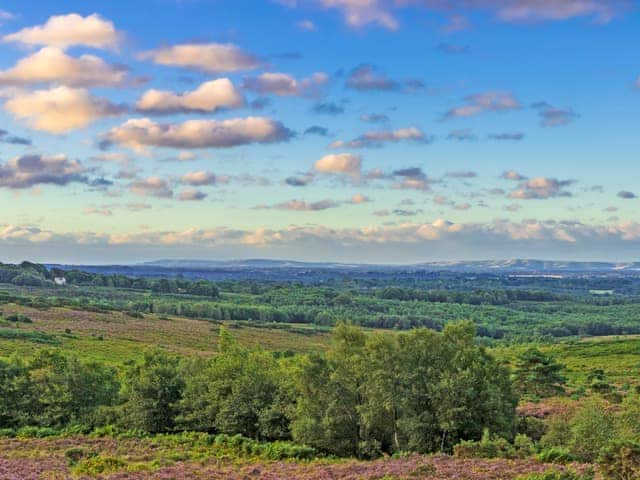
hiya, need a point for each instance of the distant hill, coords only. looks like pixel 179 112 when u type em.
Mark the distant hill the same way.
pixel 504 266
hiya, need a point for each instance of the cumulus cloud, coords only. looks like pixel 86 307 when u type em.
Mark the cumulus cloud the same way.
pixel 152 187
pixel 484 102
pixel 206 57
pixel 65 31
pixel 378 138
pixel 340 164
pixel 60 109
pixel 198 178
pixel 541 188
pixel 359 13
pixel 209 97
pixel 359 198
pixel 299 180
pixel 368 77
pixel 191 194
pixel 404 242
pixel 285 85
pixel 143 132
pixel 52 65
pixel 30 170
pixel 625 194
pixel 513 175
pixel 551 116
pixel 412 178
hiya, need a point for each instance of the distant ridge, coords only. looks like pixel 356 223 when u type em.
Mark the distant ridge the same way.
pixel 511 265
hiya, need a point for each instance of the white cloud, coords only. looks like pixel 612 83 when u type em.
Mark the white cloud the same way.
pixel 152 187
pixel 198 178
pixel 60 109
pixel 513 175
pixel 485 102
pixel 143 132
pixel 359 13
pixel 64 31
pixel 211 96
pixel 283 84
pixel 340 163
pixel 377 138
pixel 52 65
pixel 541 188
pixel 206 57
pixel 191 194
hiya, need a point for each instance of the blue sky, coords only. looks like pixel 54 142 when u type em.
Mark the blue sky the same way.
pixel 375 131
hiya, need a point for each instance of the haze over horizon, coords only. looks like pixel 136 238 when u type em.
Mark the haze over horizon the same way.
pixel 378 131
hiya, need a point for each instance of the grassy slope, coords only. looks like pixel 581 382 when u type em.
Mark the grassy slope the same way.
pixel 116 337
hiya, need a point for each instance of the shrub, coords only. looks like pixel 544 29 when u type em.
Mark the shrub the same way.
pixel 620 461
pixel 488 447
pixel 97 465
pixel 18 318
pixel 74 455
pixel 555 455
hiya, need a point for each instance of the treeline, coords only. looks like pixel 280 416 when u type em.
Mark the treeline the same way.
pixel 367 395
pixel 475 297
pixel 35 275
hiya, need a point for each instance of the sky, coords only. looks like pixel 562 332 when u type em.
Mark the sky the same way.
pixel 368 131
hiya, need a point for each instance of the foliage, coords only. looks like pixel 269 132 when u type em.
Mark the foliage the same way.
pixel 538 374
pixel 620 461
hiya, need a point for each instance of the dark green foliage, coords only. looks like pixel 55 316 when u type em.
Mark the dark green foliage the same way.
pixel 419 391
pixel 555 455
pixel 538 374
pixel 153 390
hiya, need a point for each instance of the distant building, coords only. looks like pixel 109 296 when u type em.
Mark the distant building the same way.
pixel 60 281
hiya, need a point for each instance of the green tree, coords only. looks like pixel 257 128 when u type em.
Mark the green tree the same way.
pixel 538 374
pixel 153 389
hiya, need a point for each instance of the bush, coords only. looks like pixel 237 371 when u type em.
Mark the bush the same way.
pixel 18 318
pixel 74 455
pixel 488 447
pixel 555 455
pixel 620 461
pixel 97 465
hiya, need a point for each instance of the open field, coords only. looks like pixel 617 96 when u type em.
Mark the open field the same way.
pixel 114 337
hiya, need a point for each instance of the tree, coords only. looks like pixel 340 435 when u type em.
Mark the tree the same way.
pixel 538 374
pixel 154 388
